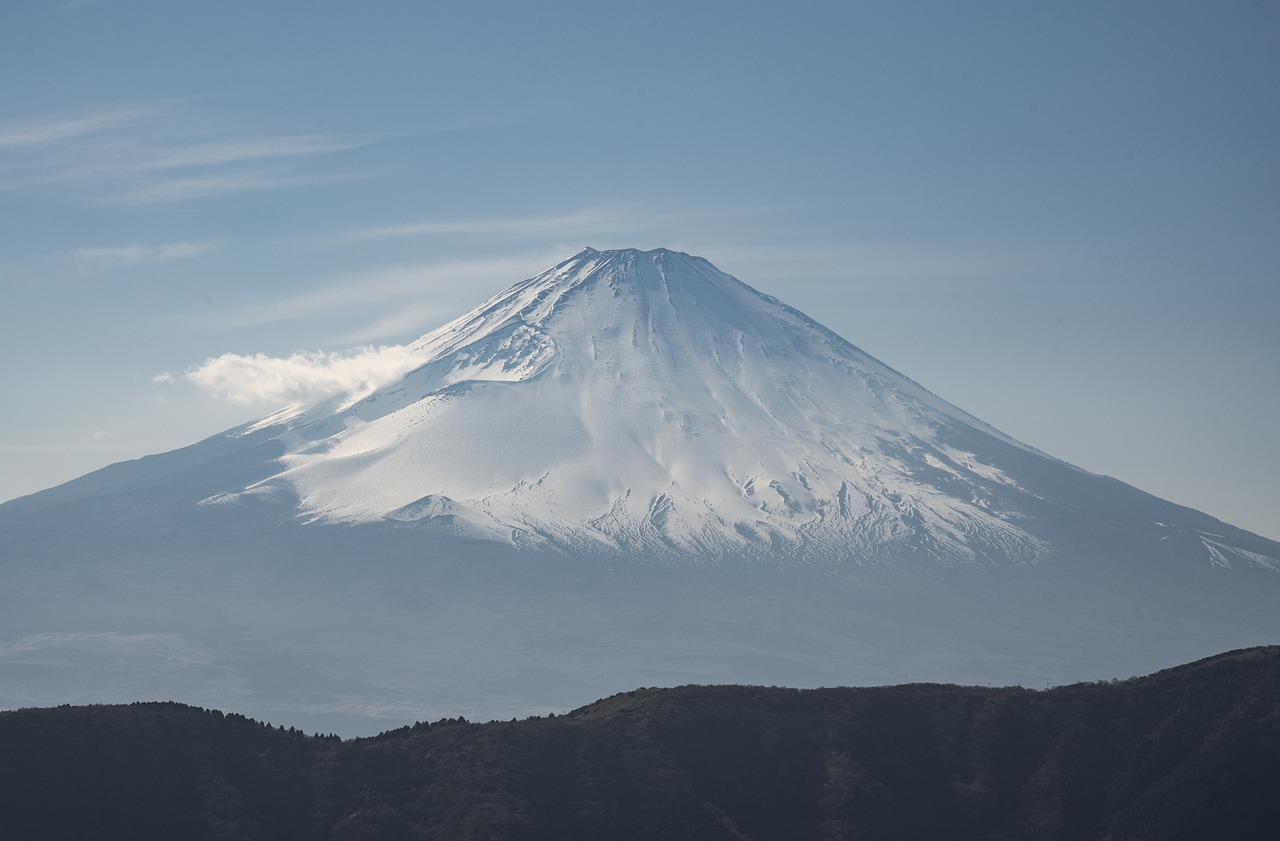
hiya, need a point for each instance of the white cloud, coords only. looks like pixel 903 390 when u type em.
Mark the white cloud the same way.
pixel 162 152
pixel 40 132
pixel 180 189
pixel 420 295
pixel 587 221
pixel 601 220
pixel 258 378
pixel 133 255
pixel 236 151
pixel 858 261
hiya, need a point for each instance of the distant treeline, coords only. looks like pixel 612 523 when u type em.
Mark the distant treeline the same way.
pixel 1189 753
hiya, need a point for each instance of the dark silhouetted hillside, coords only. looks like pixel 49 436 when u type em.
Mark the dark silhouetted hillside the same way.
pixel 1188 753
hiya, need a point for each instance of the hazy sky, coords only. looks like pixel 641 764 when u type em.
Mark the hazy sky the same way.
pixel 1062 217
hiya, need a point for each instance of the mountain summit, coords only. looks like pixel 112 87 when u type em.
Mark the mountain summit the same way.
pixel 631 469
pixel 646 402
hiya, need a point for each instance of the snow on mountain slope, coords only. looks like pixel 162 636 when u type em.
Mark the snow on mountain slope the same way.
pixel 649 403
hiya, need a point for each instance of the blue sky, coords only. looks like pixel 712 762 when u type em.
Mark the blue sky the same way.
pixel 1062 217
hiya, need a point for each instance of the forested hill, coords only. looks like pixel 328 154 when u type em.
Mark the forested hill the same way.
pixel 1188 753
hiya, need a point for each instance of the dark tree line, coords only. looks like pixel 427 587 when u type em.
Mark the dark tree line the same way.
pixel 1188 753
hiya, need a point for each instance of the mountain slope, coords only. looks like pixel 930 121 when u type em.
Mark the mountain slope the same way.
pixel 645 402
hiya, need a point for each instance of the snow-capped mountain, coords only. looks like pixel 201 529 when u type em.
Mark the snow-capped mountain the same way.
pixel 646 402
pixel 632 469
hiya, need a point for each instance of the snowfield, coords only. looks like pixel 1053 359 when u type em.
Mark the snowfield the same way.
pixel 647 402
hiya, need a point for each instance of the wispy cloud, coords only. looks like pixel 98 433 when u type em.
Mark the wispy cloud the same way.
pixel 199 187
pixel 40 132
pixel 239 151
pixel 133 255
pixel 261 379
pixel 864 261
pixel 587 221
pixel 161 152
pixel 418 296
pixel 401 299
pixel 602 220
